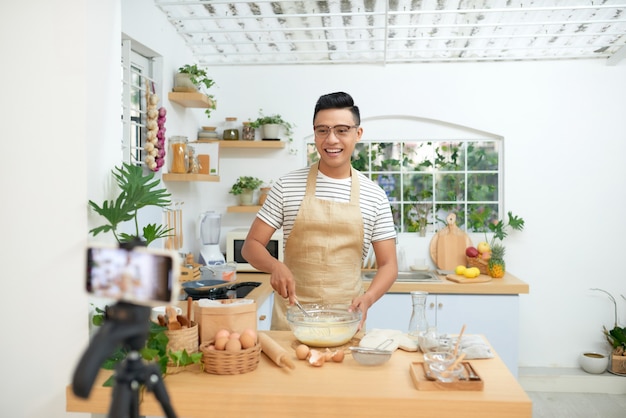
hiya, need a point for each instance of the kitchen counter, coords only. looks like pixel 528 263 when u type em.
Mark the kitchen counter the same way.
pixel 508 285
pixel 339 390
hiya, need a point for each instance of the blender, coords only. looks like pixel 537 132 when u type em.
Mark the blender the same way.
pixel 210 224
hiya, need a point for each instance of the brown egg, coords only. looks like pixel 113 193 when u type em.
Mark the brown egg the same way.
pixel 246 341
pixel 220 343
pixel 339 356
pixel 233 345
pixel 302 352
pixel 222 333
pixel 251 333
pixel 234 336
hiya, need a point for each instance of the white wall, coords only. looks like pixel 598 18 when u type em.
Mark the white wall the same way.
pixel 562 122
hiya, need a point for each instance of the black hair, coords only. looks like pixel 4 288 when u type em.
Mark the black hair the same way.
pixel 338 100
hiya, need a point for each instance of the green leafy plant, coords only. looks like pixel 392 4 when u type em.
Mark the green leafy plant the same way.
pixel 155 350
pixel 616 336
pixel 245 183
pixel 500 228
pixel 137 190
pixel 274 119
pixel 201 80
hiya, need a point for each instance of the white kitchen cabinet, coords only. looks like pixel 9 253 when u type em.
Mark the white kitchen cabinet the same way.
pixel 494 316
pixel 264 314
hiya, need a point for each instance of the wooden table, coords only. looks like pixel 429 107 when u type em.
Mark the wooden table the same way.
pixel 339 390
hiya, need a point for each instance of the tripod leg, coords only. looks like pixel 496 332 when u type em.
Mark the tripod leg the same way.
pixel 155 384
pixel 121 401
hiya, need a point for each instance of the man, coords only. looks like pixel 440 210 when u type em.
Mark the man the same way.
pixel 330 214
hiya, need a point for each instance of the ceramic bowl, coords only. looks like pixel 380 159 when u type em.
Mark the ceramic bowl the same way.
pixel 593 362
pixel 325 326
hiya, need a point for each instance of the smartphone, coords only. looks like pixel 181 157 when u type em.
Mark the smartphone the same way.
pixel 139 275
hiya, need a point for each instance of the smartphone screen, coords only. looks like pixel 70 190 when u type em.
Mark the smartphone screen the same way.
pixel 138 275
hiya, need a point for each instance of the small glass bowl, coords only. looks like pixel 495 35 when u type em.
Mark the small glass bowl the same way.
pixel 439 371
pixel 442 358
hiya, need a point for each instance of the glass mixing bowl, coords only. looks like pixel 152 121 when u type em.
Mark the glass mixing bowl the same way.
pixel 324 326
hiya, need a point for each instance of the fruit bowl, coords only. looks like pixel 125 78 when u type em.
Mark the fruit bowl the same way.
pixel 479 263
pixel 324 326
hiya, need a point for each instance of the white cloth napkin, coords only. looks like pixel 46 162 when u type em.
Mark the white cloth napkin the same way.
pixel 474 347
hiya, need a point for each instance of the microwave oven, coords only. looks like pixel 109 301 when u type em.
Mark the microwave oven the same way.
pixel 234 242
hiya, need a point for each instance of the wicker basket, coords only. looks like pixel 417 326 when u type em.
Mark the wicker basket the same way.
pixel 477 262
pixel 228 362
pixel 183 339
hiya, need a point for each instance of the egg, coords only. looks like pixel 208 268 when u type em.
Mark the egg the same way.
pixel 220 343
pixel 250 332
pixel 302 352
pixel 339 356
pixel 222 333
pixel 247 341
pixel 233 345
pixel 235 336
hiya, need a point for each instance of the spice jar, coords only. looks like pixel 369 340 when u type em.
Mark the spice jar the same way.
pixel 231 133
pixel 248 132
pixel 194 165
pixel 178 155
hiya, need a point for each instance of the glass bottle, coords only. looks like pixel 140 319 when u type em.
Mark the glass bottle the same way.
pixel 231 133
pixel 247 132
pixel 418 323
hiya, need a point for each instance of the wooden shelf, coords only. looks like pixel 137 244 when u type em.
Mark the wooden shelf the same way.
pixel 243 209
pixel 190 99
pixel 243 144
pixel 189 177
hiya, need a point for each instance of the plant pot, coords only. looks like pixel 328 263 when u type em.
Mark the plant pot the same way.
pixel 246 198
pixel 593 362
pixel 618 364
pixel 270 131
pixel 182 83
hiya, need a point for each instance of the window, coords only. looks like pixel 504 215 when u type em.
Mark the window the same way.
pixel 427 179
pixel 137 76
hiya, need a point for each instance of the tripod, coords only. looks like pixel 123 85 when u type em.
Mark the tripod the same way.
pixel 126 324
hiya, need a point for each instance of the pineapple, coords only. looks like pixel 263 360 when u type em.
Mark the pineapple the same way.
pixel 496 266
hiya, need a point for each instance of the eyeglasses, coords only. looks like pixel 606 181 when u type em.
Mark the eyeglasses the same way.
pixel 340 131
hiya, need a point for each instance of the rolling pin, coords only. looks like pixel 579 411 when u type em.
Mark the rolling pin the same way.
pixel 274 351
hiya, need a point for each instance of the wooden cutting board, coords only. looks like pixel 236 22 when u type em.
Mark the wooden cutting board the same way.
pixel 482 278
pixel 447 248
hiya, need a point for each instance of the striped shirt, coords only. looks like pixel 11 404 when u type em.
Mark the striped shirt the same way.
pixel 283 202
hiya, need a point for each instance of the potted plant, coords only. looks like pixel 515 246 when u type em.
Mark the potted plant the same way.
pixel 137 190
pixel 616 337
pixel 244 189
pixel 270 126
pixel 190 78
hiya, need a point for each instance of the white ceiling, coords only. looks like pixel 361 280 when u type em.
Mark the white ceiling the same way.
pixel 398 31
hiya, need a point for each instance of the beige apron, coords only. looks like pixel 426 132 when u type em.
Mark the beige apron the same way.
pixel 324 251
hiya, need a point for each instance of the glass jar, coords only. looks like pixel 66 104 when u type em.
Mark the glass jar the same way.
pixel 264 191
pixel 418 323
pixel 247 132
pixel 194 165
pixel 231 133
pixel 178 155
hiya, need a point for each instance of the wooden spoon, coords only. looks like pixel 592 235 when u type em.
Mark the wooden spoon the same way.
pixel 189 304
pixel 172 323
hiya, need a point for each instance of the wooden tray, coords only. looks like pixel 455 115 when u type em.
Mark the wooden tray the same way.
pixel 422 382
pixel 482 278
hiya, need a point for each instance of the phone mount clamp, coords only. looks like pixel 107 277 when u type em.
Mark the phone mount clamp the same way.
pixel 128 325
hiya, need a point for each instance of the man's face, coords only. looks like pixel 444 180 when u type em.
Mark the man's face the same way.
pixel 335 145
